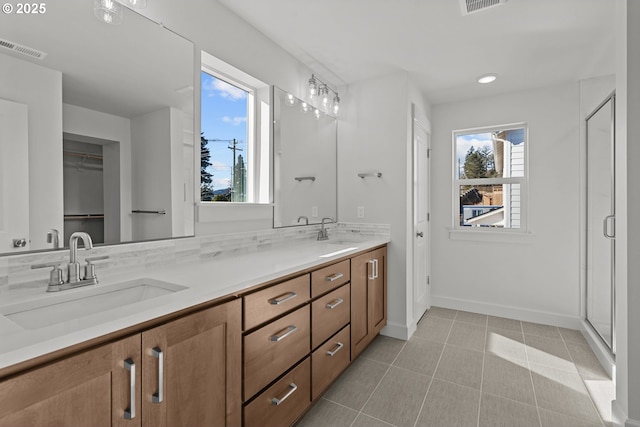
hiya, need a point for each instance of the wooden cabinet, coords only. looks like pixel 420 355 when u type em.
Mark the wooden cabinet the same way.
pixel 76 391
pixel 368 298
pixel 186 372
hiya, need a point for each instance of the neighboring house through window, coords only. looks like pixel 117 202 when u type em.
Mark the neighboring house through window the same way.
pixel 490 178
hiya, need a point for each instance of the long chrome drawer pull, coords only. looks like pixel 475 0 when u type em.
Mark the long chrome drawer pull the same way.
pixel 285 333
pixel 335 303
pixel 158 354
pixel 334 277
pixel 275 401
pixel 372 262
pixel 336 349
pixel 283 298
pixel 130 412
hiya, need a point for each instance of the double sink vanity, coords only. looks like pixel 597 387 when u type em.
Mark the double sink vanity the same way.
pixel 249 338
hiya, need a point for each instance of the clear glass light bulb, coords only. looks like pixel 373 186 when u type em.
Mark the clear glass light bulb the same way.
pixel 316 113
pixel 336 104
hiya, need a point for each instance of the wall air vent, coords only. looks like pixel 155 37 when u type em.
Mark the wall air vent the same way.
pixel 472 6
pixel 24 50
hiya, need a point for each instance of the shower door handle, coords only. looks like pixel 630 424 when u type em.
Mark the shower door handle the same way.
pixel 605 226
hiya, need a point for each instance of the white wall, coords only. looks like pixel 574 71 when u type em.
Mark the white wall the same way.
pixel 41 89
pixel 117 162
pixel 534 277
pixel 374 135
pixel 210 25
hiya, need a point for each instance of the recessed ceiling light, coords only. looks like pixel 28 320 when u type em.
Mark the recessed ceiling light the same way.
pixel 487 78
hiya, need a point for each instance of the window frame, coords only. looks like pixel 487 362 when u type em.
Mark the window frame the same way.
pixel 523 181
pixel 258 158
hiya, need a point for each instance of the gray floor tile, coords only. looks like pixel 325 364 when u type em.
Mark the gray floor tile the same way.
pixel 499 412
pixel 449 405
pixel 541 330
pixel 548 352
pixel 587 363
pixel 326 413
pixel 475 318
pixel 383 349
pixel 434 328
pixel 468 336
pixel 421 356
pixel 461 366
pixel 398 386
pixel 507 379
pixel 504 323
pixel 571 335
pixel 563 392
pixel 357 383
pixel 365 420
pixel 555 419
pixel 444 313
pixel 506 344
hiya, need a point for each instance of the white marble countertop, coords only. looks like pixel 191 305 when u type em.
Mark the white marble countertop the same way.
pixel 205 280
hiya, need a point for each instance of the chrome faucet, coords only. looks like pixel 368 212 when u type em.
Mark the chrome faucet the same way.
pixel 322 233
pixel 53 236
pixel 74 280
pixel 306 219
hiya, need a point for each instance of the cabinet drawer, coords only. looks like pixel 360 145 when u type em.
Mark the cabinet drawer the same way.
pixel 275 300
pixel 281 404
pixel 274 348
pixel 329 314
pixel 330 360
pixel 330 277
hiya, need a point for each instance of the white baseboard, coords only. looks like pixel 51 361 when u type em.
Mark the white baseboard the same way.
pixel 398 331
pixel 599 349
pixel 518 313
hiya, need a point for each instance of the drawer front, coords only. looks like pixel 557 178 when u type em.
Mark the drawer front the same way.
pixel 330 360
pixel 281 404
pixel 329 314
pixel 275 300
pixel 274 348
pixel 330 277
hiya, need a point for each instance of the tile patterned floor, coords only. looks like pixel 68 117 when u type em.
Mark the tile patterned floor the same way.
pixel 467 369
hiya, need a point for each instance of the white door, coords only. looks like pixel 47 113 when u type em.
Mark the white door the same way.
pixel 14 176
pixel 421 229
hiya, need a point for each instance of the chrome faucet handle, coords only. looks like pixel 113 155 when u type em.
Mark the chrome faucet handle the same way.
pixel 90 267
pixel 55 275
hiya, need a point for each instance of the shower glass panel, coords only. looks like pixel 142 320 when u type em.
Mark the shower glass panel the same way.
pixel 600 297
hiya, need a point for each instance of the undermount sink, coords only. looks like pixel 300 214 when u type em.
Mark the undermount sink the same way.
pixel 76 303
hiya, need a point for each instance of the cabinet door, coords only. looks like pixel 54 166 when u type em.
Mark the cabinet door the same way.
pixel 76 391
pixel 368 298
pixel 192 369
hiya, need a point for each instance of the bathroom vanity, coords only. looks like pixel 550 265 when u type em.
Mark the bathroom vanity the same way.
pixel 228 347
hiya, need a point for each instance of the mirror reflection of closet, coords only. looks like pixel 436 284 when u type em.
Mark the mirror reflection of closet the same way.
pixel 600 295
pixel 90 184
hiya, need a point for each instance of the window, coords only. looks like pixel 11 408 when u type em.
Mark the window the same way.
pixel 490 178
pixel 234 135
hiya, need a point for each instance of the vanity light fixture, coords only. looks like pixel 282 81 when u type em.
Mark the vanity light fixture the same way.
pixel 291 100
pixel 109 11
pixel 487 78
pixel 322 90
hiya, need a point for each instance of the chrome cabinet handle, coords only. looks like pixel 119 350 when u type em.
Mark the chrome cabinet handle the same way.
pixel 158 354
pixel 334 277
pixel 335 303
pixel 283 298
pixel 130 412
pixel 419 234
pixel 275 401
pixel 283 333
pixel 605 228
pixel 335 349
pixel 377 271
pixel 372 275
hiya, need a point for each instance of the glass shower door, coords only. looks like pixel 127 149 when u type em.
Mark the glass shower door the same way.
pixel 600 296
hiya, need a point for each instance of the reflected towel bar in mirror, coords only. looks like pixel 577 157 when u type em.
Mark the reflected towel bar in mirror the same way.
pixel 159 212
pixel 375 174
pixel 305 178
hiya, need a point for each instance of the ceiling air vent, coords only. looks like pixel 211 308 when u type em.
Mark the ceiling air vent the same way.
pixel 472 6
pixel 24 50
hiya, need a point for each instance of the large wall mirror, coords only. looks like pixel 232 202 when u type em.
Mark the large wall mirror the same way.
pixel 305 162
pixel 96 129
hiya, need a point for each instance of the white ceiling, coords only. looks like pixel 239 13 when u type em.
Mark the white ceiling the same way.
pixel 529 43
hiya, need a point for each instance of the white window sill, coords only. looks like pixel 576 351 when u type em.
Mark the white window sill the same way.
pixel 497 236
